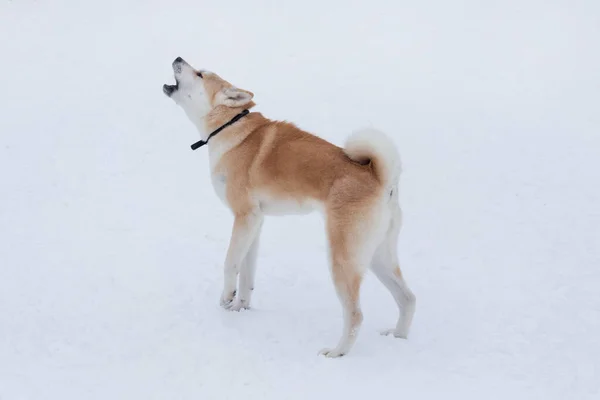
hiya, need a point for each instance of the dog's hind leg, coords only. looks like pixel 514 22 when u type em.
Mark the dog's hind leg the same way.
pixel 347 279
pixel 351 249
pixel 245 230
pixel 392 278
pixel 247 274
pixel 386 267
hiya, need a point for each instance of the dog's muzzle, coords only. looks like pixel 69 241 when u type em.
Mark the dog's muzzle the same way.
pixel 178 64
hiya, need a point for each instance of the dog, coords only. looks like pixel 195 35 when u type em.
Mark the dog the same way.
pixel 260 167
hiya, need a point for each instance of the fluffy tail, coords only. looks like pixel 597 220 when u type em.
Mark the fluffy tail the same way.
pixel 372 145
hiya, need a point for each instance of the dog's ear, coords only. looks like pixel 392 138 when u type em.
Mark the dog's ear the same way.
pixel 234 97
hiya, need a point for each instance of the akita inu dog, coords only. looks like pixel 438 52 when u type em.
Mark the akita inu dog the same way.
pixel 261 167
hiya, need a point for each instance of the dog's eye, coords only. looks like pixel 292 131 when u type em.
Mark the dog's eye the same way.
pixel 199 74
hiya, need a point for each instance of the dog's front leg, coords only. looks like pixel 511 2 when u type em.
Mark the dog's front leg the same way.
pixel 246 227
pixel 246 278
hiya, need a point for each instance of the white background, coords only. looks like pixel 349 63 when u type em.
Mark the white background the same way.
pixel 112 240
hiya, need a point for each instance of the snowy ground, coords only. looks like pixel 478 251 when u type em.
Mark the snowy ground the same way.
pixel 112 241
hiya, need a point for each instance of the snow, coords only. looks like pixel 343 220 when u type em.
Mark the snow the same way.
pixel 112 240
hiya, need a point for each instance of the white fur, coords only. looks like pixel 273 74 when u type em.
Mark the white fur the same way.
pixel 374 144
pixel 191 96
pixel 219 182
pixel 274 206
pixel 245 231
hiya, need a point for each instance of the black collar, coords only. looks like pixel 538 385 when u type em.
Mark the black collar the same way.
pixel 233 120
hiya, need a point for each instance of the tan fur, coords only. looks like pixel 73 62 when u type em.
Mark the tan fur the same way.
pixel 265 163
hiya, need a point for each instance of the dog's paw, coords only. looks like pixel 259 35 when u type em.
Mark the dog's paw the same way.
pixel 332 353
pixel 227 299
pixel 237 305
pixel 395 333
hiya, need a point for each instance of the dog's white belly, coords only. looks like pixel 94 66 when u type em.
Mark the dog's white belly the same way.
pixel 269 205
pixel 277 207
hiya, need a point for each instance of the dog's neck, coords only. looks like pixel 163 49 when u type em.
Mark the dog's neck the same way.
pixel 231 136
pixel 202 127
pixel 214 133
pixel 216 118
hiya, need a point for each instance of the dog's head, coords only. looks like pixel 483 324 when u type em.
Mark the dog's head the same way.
pixel 198 92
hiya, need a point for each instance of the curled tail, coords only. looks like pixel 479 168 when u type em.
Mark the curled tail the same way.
pixel 372 145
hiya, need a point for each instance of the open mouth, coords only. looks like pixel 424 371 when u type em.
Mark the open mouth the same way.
pixel 177 67
pixel 170 89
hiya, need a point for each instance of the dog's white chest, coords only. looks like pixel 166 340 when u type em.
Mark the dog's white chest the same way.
pixel 219 182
